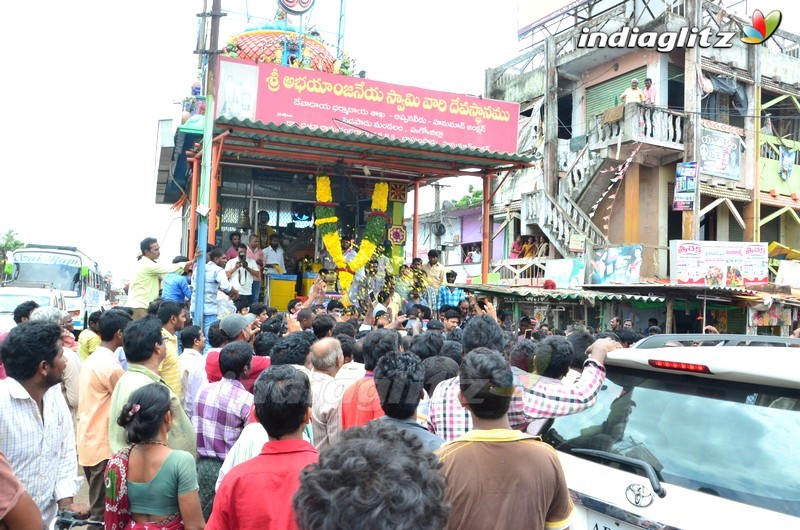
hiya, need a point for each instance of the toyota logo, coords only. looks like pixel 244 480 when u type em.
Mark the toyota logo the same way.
pixel 639 495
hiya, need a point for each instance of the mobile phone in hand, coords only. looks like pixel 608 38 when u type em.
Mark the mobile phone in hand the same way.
pixel 528 334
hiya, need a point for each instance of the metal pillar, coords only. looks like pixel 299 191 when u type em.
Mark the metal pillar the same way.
pixel 487 230
pixel 415 240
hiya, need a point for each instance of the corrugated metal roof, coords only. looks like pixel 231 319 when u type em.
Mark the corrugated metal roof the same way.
pixel 290 145
pixel 722 192
pixel 560 294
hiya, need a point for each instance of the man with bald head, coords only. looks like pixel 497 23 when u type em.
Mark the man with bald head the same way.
pixel 326 391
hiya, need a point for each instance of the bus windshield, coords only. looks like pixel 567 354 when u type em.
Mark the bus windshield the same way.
pixel 62 270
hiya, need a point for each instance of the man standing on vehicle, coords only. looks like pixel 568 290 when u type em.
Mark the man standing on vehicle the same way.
pixel 144 287
pixel 36 432
pixel 216 280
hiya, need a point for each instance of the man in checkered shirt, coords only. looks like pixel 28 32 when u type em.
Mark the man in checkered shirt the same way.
pixel 221 411
pixel 531 399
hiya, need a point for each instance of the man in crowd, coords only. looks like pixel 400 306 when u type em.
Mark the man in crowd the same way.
pixel 235 328
pixel 89 338
pixel 360 402
pixel 236 239
pixel 219 415
pixel 175 286
pixel 452 321
pixel 450 294
pixel 99 376
pixel 493 455
pixel 400 380
pixel 173 317
pixel 17 509
pixel 326 358
pixel 145 351
pixel 614 324
pixel 283 407
pixel 192 365
pixel 393 461
pixel 256 254
pixel 242 272
pixel 435 277
pixel 216 280
pixel 36 433
pixel 144 287
pixel 274 256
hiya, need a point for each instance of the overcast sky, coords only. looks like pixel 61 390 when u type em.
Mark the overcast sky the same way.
pixel 86 83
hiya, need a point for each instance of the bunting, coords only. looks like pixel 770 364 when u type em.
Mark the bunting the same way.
pixel 615 182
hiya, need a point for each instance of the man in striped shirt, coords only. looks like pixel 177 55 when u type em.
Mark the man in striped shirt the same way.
pixel 531 399
pixel 36 431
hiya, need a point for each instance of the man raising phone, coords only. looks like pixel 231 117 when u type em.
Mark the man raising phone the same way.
pixel 242 272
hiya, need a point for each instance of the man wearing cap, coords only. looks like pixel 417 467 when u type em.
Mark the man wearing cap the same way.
pixel 236 328
pixel 450 294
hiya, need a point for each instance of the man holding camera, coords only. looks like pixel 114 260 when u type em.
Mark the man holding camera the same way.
pixel 242 272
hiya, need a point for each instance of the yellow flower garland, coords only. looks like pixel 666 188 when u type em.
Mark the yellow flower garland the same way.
pixel 332 241
pixel 324 193
pixel 326 220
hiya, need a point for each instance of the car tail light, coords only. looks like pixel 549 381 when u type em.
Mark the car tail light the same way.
pixel 683 367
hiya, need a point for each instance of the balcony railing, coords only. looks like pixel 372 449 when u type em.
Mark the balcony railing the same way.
pixel 639 123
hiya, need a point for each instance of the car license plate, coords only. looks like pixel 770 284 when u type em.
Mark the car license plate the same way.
pixel 602 522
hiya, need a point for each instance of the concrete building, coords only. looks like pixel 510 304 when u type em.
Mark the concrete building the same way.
pixel 606 171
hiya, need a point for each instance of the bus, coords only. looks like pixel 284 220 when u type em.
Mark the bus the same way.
pixel 66 269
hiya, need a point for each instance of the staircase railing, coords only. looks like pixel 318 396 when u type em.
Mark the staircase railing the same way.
pixel 559 223
pixel 580 172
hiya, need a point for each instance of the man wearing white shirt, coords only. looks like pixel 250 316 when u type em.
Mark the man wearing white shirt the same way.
pixel 41 453
pixel 242 272
pixel 192 366
pixel 273 256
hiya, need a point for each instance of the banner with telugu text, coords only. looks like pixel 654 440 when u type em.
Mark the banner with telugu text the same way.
pixel 320 101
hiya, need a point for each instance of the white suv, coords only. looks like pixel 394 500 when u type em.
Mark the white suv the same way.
pixel 14 293
pixel 687 437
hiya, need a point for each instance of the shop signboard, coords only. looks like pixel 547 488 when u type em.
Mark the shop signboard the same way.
pixel 616 265
pixel 718 263
pixel 685 187
pixel 788 274
pixel 321 101
pixel 566 273
pixel 720 154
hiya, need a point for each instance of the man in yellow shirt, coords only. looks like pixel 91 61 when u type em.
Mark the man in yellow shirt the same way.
pixel 144 287
pixel 634 94
pixel 89 339
pixel 173 317
pixel 435 272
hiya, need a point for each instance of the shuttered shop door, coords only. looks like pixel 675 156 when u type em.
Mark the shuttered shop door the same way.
pixel 675 73
pixel 771 230
pixel 606 94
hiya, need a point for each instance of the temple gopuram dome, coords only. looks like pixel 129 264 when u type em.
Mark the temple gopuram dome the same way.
pixel 280 43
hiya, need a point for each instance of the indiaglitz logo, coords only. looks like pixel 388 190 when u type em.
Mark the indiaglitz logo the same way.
pixel 762 28
pixel 664 42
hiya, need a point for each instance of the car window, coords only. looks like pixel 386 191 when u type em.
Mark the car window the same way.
pixel 734 440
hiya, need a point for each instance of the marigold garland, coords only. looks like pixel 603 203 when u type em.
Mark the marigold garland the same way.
pixel 374 233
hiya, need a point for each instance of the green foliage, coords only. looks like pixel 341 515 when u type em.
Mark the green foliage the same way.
pixel 473 198
pixel 9 241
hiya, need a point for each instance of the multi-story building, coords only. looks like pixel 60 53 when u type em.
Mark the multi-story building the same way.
pixel 607 170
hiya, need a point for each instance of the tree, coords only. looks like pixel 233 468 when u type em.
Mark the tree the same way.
pixel 9 241
pixel 473 198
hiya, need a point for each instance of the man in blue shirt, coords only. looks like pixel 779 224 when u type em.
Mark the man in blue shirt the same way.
pixel 449 294
pixel 175 286
pixel 216 280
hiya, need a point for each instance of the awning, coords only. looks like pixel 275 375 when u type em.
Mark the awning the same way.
pixel 778 251
pixel 723 192
pixel 292 148
pixel 172 167
pixel 560 295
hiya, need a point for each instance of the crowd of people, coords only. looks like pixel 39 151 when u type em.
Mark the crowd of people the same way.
pixel 413 411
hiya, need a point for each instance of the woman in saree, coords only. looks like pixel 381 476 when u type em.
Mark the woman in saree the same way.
pixel 516 250
pixel 148 485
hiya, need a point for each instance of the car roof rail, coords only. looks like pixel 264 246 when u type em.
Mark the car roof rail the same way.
pixel 663 340
pixel 57 247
